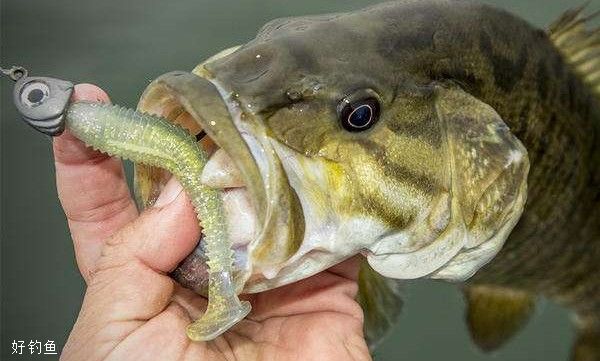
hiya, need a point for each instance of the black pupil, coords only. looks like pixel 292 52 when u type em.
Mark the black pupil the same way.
pixel 35 96
pixel 361 116
pixel 358 114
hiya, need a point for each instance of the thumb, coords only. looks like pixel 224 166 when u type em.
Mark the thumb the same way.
pixel 130 282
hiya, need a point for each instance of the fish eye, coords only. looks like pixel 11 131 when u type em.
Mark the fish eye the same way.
pixel 34 94
pixel 359 111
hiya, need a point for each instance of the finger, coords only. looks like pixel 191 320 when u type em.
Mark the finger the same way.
pixel 131 279
pixel 333 290
pixel 193 304
pixel 130 285
pixel 349 268
pixel 92 190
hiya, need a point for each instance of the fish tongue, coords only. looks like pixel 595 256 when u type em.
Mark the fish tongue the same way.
pixel 221 172
pixel 241 217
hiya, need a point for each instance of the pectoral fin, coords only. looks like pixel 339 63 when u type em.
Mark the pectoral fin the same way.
pixel 587 344
pixel 496 314
pixel 381 301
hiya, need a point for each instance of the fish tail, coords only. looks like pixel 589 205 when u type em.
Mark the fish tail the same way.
pixel 587 343
pixel 579 43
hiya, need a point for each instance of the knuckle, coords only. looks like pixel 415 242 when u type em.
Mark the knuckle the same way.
pixel 103 211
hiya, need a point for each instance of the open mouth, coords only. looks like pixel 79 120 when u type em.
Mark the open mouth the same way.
pixel 221 173
pixel 263 214
pixel 169 97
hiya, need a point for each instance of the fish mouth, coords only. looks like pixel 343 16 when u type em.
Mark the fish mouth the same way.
pixel 265 217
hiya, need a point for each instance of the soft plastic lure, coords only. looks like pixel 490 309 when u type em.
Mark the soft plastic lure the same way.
pixel 125 133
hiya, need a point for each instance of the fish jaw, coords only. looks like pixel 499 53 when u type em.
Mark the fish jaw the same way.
pixel 331 235
pixel 337 228
pixel 281 229
pixel 275 216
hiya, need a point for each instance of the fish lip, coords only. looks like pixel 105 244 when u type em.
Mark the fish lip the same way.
pixel 281 230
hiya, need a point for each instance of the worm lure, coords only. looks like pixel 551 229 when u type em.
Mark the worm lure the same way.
pixel 45 104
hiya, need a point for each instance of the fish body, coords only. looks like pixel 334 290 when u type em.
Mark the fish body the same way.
pixel 441 139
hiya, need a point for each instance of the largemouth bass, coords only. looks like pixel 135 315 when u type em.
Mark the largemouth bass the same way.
pixel 440 139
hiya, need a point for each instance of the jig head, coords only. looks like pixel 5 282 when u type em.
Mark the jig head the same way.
pixel 42 101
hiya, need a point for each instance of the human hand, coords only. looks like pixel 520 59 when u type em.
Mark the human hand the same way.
pixel 132 310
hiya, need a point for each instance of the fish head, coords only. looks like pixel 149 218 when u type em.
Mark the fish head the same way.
pixel 345 150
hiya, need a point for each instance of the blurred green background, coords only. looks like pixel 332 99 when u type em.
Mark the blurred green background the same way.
pixel 121 46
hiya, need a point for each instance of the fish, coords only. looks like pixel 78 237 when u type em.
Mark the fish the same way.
pixel 438 139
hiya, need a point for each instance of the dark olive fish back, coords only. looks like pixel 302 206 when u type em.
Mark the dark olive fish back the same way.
pixel 549 101
pixel 517 69
pixel 555 248
pixel 537 82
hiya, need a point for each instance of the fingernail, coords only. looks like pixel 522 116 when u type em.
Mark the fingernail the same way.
pixel 169 193
pixel 90 92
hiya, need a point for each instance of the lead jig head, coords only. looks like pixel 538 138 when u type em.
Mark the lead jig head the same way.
pixel 42 102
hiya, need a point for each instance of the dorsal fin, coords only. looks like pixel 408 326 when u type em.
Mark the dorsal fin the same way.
pixel 579 43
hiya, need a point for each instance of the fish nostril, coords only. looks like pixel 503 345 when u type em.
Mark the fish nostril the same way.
pixel 200 135
pixel 251 64
pixel 251 76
